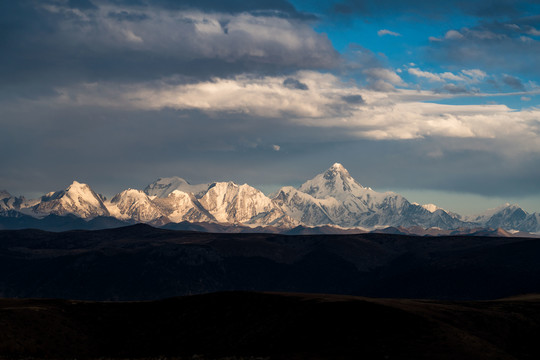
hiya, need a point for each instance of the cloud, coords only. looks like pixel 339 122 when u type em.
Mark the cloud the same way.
pixel 474 74
pixel 226 129
pixel 433 10
pixel 465 79
pixel 294 84
pixel 454 89
pixel 451 76
pixel 513 82
pixel 353 99
pixel 383 79
pixel 281 7
pixel 424 74
pixel 327 103
pixel 383 32
pixel 453 35
pixel 532 31
pixel 207 89
pixel 496 46
pixel 57 43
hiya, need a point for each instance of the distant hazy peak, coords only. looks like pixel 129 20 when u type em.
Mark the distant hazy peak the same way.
pixel 162 187
pixel 131 193
pixel 4 194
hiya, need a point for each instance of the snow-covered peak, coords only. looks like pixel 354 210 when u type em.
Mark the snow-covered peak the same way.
pixel 76 184
pixel 4 194
pixel 334 182
pixel 77 198
pixel 430 207
pixel 162 187
pixel 132 194
pixel 338 167
pixel 230 202
pixel 81 193
pixel 177 193
pixel 182 206
pixel 8 202
pixel 134 204
pixel 486 215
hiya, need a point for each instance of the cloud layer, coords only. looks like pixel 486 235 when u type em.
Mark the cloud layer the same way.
pixel 55 43
pixel 104 90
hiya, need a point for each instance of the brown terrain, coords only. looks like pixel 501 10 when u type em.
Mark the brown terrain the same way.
pixel 250 325
pixel 262 296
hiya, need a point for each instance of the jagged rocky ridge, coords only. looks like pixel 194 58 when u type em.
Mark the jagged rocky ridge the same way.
pixel 331 198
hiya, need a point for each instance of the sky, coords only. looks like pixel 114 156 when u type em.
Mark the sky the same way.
pixel 438 101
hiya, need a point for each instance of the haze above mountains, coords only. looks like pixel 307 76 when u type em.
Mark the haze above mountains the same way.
pixel 332 198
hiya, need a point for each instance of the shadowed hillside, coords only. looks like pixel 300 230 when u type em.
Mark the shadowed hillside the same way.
pixel 144 263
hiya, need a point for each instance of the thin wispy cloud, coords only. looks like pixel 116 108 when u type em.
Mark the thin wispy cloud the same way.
pixel 384 32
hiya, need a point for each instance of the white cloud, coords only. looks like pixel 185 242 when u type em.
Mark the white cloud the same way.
pixel 534 32
pixel 451 76
pixel 383 79
pixel 130 36
pixel 512 27
pixel 425 74
pixel 453 35
pixel 467 75
pixel 385 74
pixel 383 32
pixel 401 114
pixel 474 74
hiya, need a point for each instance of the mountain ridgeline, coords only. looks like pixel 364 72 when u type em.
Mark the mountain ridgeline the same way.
pixel 333 199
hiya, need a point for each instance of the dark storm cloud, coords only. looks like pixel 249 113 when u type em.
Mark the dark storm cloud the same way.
pixel 47 44
pixel 513 82
pixel 282 7
pixel 433 9
pixel 353 99
pixel 81 4
pixel 112 149
pixel 499 47
pixel 127 16
pixel 452 89
pixel 294 84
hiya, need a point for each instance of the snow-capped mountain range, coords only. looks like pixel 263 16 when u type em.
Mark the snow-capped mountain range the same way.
pixel 332 198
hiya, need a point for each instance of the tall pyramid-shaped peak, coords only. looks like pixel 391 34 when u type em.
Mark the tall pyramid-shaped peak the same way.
pixel 334 182
pixel 77 198
pixel 336 170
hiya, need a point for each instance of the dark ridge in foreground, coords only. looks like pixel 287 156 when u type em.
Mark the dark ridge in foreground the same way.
pixel 247 325
pixel 144 263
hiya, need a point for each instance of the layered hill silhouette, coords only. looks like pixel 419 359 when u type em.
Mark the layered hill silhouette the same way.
pixel 140 262
pixel 266 296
